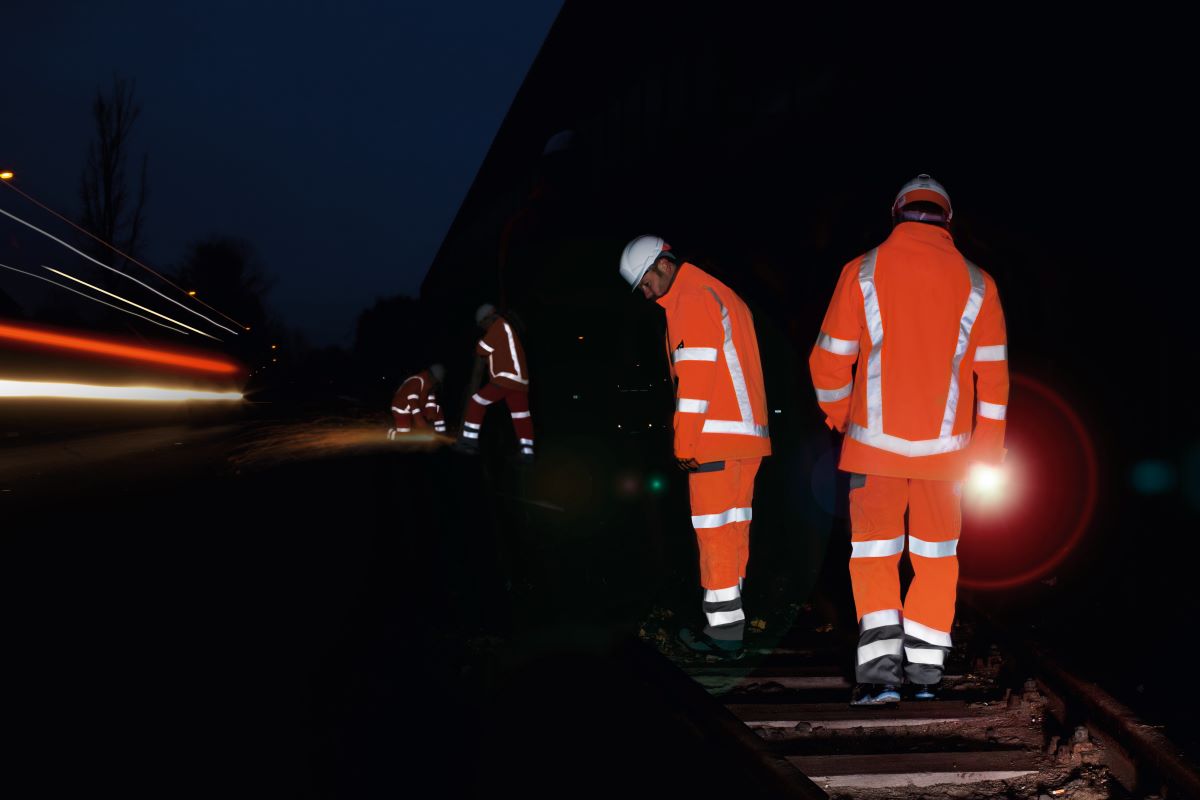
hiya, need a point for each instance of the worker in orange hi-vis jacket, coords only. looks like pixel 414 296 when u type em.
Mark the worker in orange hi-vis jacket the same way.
pixel 923 324
pixel 415 403
pixel 721 431
pixel 507 380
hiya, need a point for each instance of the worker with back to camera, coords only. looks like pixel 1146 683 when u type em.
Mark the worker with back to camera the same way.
pixel 922 323
pixel 415 403
pixel 507 374
pixel 720 425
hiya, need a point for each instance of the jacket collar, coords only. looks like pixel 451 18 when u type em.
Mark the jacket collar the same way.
pixel 923 232
pixel 686 276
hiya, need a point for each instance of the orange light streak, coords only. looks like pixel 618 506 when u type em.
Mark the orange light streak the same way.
pixel 101 347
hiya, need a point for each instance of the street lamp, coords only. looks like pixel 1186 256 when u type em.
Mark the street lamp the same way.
pixel 6 175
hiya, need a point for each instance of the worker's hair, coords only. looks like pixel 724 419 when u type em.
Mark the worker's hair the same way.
pixel 922 211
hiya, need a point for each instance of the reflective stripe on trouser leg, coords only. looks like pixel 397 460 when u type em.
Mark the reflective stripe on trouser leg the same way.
pixel 721 511
pixel 477 407
pixel 877 539
pixel 880 651
pixel 934 522
pixel 518 407
pixel 723 615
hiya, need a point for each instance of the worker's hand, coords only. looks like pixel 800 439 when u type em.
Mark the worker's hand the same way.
pixel 687 464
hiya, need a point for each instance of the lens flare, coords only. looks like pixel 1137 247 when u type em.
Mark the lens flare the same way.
pixel 83 391
pixel 64 341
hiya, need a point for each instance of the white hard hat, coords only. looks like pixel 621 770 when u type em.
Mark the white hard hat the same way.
pixel 483 312
pixel 438 372
pixel 640 255
pixel 924 188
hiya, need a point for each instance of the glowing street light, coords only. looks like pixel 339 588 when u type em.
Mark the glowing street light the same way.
pixel 192 293
pixel 6 175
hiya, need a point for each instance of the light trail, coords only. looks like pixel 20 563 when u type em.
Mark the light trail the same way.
pixel 95 299
pixel 117 271
pixel 69 342
pixel 116 250
pixel 130 302
pixel 83 391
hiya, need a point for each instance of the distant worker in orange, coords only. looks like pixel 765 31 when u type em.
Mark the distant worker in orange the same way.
pixel 721 431
pixel 415 405
pixel 501 352
pixel 923 324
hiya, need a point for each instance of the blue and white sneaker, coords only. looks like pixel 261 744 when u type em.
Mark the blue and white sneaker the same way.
pixel 873 694
pixel 923 692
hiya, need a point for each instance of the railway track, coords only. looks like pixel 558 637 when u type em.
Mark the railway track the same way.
pixel 1008 722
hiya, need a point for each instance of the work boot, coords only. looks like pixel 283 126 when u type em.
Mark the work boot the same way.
pixel 467 446
pixel 703 644
pixel 922 691
pixel 874 694
pixel 525 459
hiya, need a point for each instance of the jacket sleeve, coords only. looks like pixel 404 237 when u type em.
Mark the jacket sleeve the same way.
pixel 836 351
pixel 990 364
pixel 696 325
pixel 484 348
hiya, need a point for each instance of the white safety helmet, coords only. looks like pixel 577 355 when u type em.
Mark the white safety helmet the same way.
pixel 483 312
pixel 438 372
pixel 924 188
pixel 640 255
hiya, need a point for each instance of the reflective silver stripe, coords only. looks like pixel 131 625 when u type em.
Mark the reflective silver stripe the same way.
pixel 520 415
pixel 439 428
pixel 746 425
pixel 730 426
pixel 724 518
pixel 687 405
pixel 509 375
pixel 413 397
pixel 485 346
pixel 992 410
pixel 400 410
pixel 965 324
pixel 470 434
pixel 403 430
pixel 866 282
pixel 512 349
pixel 716 618
pixel 992 352
pixel 923 547
pixel 925 655
pixel 877 548
pixel 884 647
pixel 833 395
pixel 483 401
pixel 841 347
pixel 722 595
pixel 472 426
pixel 694 354
pixel 877 619
pixel 431 405
pixel 894 444
pixel 526 441
pixel 926 633
pixel 527 451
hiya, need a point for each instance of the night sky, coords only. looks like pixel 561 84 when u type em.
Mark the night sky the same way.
pixel 338 139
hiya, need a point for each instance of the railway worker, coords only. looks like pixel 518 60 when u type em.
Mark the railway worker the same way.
pixel 508 381
pixel 923 324
pixel 720 425
pixel 415 403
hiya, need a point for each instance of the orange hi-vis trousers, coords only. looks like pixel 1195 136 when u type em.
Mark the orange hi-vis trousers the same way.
pixel 721 513
pixel 915 635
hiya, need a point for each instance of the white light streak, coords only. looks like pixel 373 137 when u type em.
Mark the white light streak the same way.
pixel 122 274
pixel 83 391
pixel 130 302
pixel 95 299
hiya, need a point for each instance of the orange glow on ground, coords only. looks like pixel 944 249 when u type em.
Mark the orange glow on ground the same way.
pixel 114 349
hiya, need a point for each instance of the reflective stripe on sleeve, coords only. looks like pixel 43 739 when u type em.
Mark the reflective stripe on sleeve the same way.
pixel 694 354
pixel 992 352
pixel 884 647
pixel 487 347
pixel 841 347
pixel 922 547
pixel 992 410
pixel 877 548
pixel 833 395
pixel 724 518
pixel 687 405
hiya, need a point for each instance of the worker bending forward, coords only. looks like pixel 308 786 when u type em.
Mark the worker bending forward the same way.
pixel 508 381
pixel 415 403
pixel 922 323
pixel 720 424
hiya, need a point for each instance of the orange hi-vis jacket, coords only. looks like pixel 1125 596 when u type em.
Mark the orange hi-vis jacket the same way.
pixel 920 320
pixel 721 404
pixel 506 358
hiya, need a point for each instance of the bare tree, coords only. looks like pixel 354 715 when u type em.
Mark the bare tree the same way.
pixel 109 210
